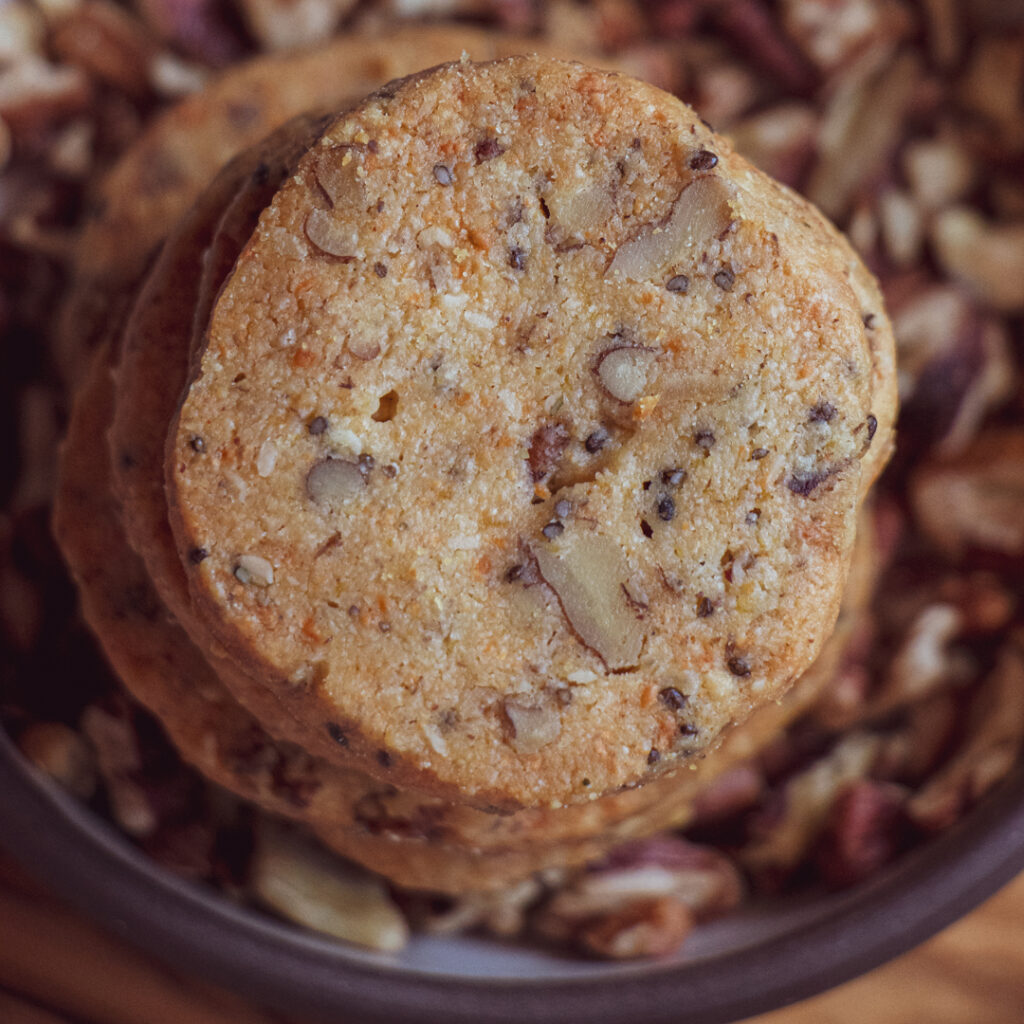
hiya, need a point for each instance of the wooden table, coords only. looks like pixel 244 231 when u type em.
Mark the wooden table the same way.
pixel 57 968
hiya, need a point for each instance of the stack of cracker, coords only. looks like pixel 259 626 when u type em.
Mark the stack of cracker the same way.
pixel 474 475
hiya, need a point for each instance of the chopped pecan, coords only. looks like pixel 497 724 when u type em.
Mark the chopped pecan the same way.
pixel 974 501
pixel 306 885
pixel 865 829
pixel 991 743
pixel 547 446
pixel 785 836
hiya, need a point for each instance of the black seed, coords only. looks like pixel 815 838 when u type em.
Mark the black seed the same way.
pixel 705 607
pixel 390 471
pixel 443 175
pixel 487 149
pixel 872 427
pixel 127 460
pixel 703 160
pixel 672 698
pixel 353 611
pixel 197 444
pixel 553 529
pixel 687 730
pixel 805 483
pixel 823 412
pixel 380 269
pixel 752 516
pixel 513 572
pixel 680 284
pixel 384 758
pixel 704 439
pixel 197 555
pixel 758 453
pixel 653 757
pixel 666 508
pixel 673 477
pixel 645 529
pixel 584 782
pixel 563 507
pixel 725 279
pixel 596 440
pixel 517 258
pixel 336 733
pixel 869 320
pixel 738 665
pixel 317 425
pixel 261 175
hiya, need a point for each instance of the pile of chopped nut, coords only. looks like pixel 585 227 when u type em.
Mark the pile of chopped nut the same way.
pixel 903 120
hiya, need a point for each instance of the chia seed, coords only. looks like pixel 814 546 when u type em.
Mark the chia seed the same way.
pixel 738 666
pixel 703 160
pixel 672 698
pixel 725 279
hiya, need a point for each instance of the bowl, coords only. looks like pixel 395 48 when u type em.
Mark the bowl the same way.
pixel 766 957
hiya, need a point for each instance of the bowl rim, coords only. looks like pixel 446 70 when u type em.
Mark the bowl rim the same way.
pixel 86 861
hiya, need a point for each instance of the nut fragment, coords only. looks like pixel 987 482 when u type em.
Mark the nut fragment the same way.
pixel 940 171
pixel 547 446
pixel 363 348
pixel 994 734
pixel 700 214
pixel 988 258
pixel 863 832
pixel 332 482
pixel 975 501
pixel 579 212
pixel 955 365
pixel 254 569
pixel 862 126
pixel 533 726
pixel 624 371
pixel 923 663
pixel 832 32
pixel 306 885
pixel 808 797
pixel 779 140
pixel 643 899
pixel 119 759
pixel 332 236
pixel 63 754
pixel 643 929
pixel 586 570
pixel 291 24
pixel 336 173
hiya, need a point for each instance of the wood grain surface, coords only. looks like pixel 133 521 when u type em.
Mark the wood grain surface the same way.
pixel 57 968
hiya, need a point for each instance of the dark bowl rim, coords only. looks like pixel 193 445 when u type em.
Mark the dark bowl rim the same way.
pixel 86 861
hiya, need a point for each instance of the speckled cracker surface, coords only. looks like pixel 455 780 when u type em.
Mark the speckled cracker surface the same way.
pixel 413 840
pixel 164 170
pixel 529 436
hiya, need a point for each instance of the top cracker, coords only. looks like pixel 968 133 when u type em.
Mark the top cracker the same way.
pixel 526 445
